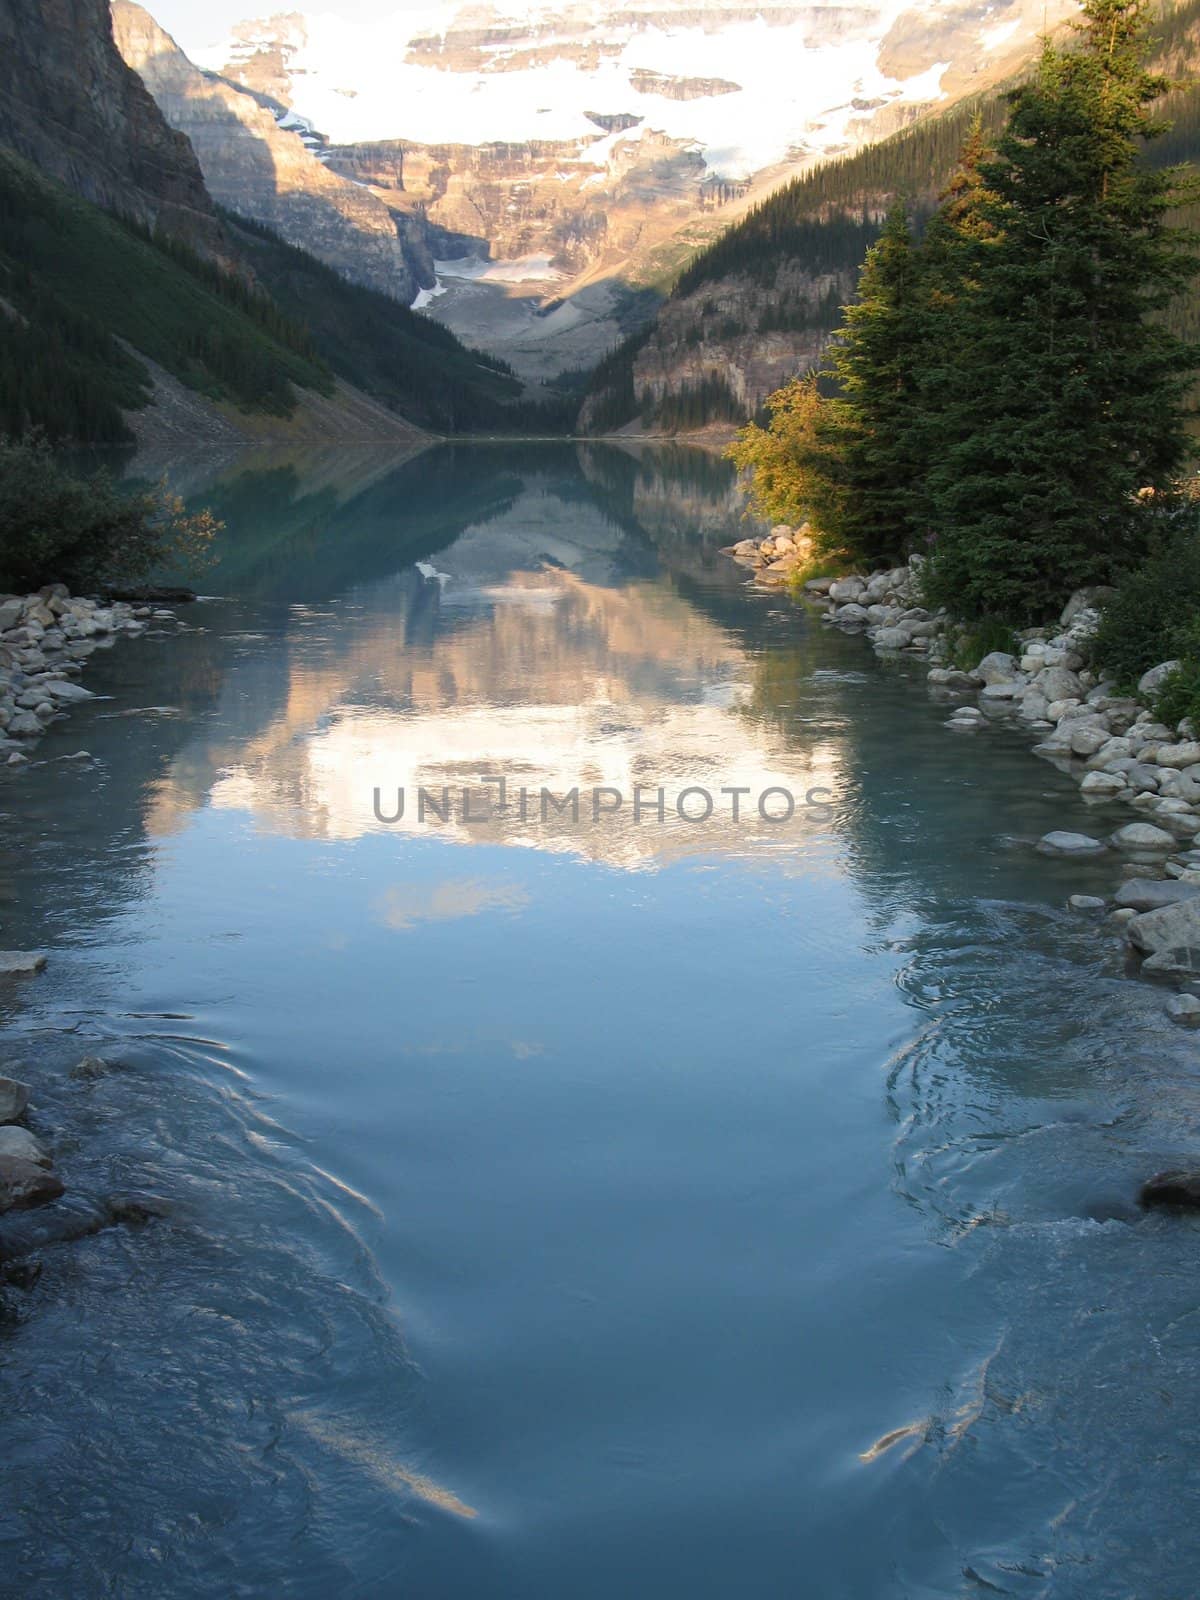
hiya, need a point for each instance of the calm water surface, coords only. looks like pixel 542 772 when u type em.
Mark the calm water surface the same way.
pixel 619 1209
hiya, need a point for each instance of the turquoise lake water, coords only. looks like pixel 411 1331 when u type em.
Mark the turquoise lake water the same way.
pixel 576 1207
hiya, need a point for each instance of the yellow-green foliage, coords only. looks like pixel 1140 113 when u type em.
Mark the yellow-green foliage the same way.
pixel 791 460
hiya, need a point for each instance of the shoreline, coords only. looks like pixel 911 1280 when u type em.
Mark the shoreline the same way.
pixel 1110 744
pixel 46 639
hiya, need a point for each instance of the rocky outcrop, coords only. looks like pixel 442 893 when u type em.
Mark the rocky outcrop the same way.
pixel 267 172
pixel 69 104
pixel 750 334
pixel 539 198
pixel 673 88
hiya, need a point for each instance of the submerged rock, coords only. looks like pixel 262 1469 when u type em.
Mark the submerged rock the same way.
pixel 135 1208
pixel 21 1275
pixel 89 1068
pixel 20 963
pixel 24 1184
pixel 1180 1188
pixel 19 1142
pixel 75 1217
pixel 1184 1009
pixel 14 1099
pixel 1086 902
pixel 1061 843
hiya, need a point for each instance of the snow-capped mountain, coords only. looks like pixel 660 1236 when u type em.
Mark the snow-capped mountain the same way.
pixel 577 153
pixel 749 84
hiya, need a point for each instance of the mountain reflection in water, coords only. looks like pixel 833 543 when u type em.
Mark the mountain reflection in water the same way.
pixel 655 1208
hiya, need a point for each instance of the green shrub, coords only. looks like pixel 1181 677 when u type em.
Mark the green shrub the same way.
pixel 1152 613
pixel 1179 696
pixel 57 528
pixel 968 646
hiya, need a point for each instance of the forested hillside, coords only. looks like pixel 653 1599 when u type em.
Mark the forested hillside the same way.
pixel 406 361
pixel 758 304
pixel 81 293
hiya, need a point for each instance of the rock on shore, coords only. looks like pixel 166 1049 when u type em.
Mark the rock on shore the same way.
pixel 45 639
pixel 1110 743
pixel 778 559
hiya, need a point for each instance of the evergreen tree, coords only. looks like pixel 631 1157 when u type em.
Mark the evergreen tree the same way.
pixel 952 259
pixel 1065 390
pixel 876 363
pixel 959 232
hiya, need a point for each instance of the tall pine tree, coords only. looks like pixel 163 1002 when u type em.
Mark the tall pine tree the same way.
pixel 875 361
pixel 952 259
pixel 1063 392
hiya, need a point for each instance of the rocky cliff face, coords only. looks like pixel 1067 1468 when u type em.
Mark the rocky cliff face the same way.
pixel 69 104
pixel 518 202
pixel 262 168
pixel 545 256
pixel 740 335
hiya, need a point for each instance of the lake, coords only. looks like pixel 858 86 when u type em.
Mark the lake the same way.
pixel 573 1202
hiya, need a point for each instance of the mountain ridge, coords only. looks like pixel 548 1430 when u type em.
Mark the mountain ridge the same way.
pixel 257 166
pixel 761 302
pixel 587 150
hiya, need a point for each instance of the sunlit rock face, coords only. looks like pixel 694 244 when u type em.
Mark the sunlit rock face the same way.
pixel 524 650
pixel 748 84
pixel 264 170
pixel 583 150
